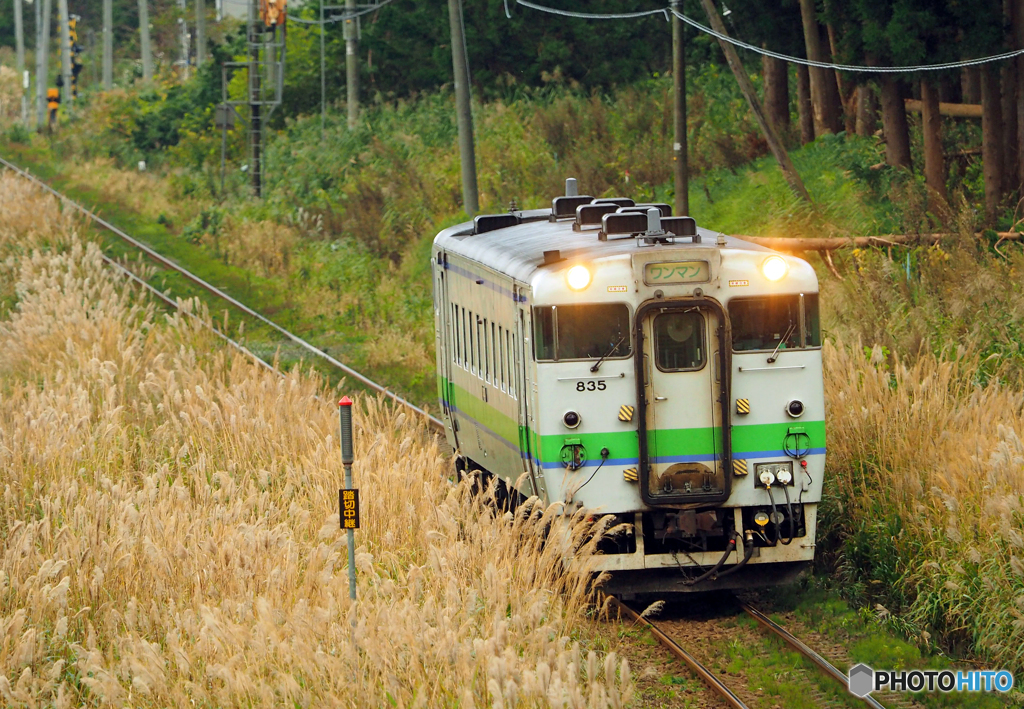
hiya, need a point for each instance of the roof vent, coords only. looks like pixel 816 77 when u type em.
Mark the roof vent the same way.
pixel 622 224
pixel 681 226
pixel 617 201
pixel 590 215
pixel 491 222
pixel 564 207
pixel 648 226
pixel 571 188
pixel 666 210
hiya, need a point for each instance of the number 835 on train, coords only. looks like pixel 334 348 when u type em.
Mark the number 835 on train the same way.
pixel 609 355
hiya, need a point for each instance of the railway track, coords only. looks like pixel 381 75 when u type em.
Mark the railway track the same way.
pixel 732 696
pixel 436 424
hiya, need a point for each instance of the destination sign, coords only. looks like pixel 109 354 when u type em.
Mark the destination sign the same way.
pixel 676 272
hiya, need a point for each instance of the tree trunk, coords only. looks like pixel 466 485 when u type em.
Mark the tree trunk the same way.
pixel 776 92
pixel 803 104
pixel 819 79
pixel 1018 42
pixel 1008 79
pixel 743 79
pixel 867 110
pixel 970 84
pixel 934 163
pixel 833 84
pixel 894 123
pixel 1008 76
pixel 991 142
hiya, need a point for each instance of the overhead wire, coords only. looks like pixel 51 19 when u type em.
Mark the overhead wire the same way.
pixel 342 18
pixel 167 263
pixel 667 11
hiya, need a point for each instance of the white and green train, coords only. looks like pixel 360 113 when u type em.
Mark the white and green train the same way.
pixel 608 355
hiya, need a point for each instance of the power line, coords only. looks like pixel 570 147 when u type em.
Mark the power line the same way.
pixel 342 18
pixel 666 12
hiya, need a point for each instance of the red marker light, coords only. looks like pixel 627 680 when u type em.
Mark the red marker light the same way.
pixel 345 401
pixel 802 462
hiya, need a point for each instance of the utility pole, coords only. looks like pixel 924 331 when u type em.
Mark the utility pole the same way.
pixel 19 31
pixel 108 44
pixel 183 35
pixel 680 156
pixel 774 142
pixel 44 9
pixel 255 30
pixel 200 33
pixel 352 63
pixel 147 53
pixel 323 79
pixel 463 108
pixel 65 53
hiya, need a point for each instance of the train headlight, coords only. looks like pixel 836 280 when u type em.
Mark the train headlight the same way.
pixel 571 419
pixel 578 277
pixel 774 268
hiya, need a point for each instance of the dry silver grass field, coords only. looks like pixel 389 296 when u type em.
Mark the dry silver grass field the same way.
pixel 170 534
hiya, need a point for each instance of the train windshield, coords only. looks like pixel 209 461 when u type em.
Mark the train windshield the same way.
pixel 590 331
pixel 784 321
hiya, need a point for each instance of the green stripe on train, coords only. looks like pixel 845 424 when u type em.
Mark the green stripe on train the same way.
pixel 623 444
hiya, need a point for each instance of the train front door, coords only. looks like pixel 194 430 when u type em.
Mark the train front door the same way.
pixel 684 435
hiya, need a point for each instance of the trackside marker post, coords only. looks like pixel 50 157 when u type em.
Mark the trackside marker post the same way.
pixel 348 498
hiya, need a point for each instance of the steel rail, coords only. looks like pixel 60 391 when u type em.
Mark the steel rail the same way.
pixel 434 422
pixel 807 652
pixel 175 304
pixel 692 662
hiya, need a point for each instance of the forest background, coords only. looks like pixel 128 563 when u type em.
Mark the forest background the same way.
pixel 338 248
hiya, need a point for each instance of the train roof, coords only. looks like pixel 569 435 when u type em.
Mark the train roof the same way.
pixel 518 250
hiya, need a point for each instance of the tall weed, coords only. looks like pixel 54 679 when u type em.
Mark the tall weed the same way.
pixel 169 533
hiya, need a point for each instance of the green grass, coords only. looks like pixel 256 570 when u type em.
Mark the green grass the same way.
pixel 871 638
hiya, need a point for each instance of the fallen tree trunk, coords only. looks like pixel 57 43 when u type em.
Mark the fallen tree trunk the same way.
pixel 801 244
pixel 957 110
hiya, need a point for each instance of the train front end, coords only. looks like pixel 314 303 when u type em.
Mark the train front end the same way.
pixel 680 388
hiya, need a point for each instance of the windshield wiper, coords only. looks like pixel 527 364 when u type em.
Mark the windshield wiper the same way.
pixel 775 355
pixel 607 354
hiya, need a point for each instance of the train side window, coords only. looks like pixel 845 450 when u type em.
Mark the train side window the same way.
pixel 515 374
pixel 462 336
pixel 504 357
pixel 509 340
pixel 470 321
pixel 478 334
pixel 495 379
pixel 454 329
pixel 487 354
pixel 812 321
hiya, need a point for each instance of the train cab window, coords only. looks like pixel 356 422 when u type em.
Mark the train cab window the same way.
pixel 589 331
pixel 783 321
pixel 679 341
